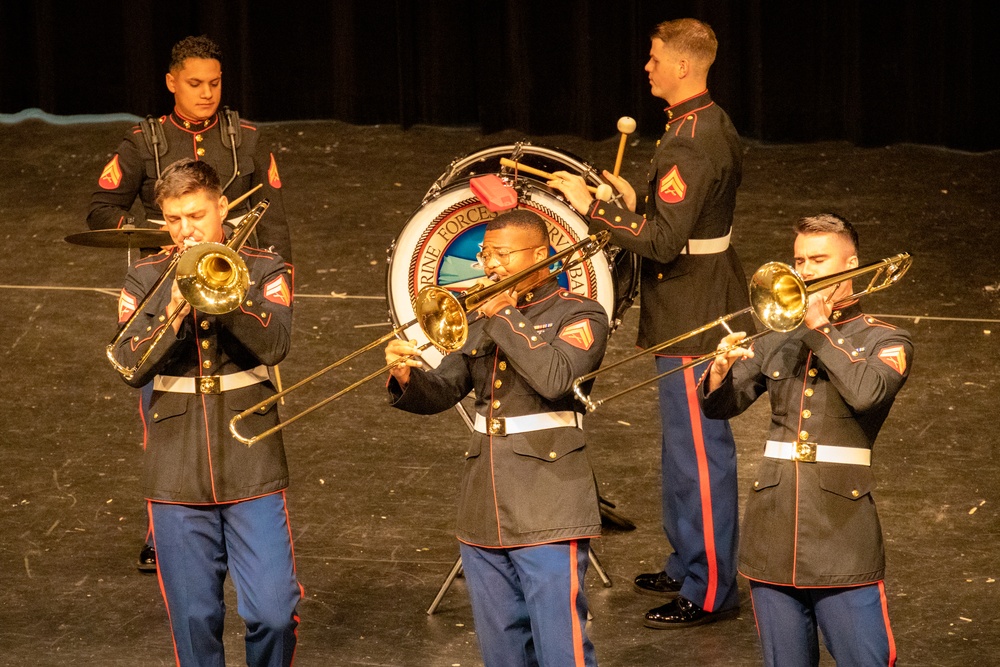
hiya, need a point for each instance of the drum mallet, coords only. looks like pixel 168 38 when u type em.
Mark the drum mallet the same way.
pixel 507 162
pixel 626 126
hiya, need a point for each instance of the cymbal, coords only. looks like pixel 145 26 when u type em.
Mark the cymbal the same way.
pixel 126 237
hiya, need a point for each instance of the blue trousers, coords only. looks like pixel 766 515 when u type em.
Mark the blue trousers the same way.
pixel 700 493
pixel 196 545
pixel 854 622
pixel 529 604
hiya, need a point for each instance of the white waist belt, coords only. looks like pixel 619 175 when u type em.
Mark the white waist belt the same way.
pixel 810 452
pixel 210 384
pixel 526 423
pixel 707 246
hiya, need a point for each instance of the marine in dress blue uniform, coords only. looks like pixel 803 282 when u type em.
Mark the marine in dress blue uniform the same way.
pixel 215 505
pixel 528 505
pixel 811 542
pixel 194 130
pixel 690 276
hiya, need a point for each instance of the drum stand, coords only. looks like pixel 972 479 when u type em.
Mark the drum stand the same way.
pixel 456 569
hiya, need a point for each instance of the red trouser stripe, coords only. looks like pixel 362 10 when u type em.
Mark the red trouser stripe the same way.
pixel 704 485
pixel 574 592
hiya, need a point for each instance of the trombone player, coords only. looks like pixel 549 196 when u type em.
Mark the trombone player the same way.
pixel 528 505
pixel 811 543
pixel 214 505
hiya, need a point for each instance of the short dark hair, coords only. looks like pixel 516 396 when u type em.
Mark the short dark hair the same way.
pixel 193 47
pixel 828 223
pixel 521 218
pixel 184 177
pixel 690 37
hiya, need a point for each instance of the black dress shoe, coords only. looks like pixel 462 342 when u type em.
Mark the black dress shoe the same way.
pixel 657 583
pixel 682 613
pixel 147 559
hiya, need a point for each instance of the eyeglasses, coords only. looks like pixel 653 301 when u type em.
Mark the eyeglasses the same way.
pixel 486 255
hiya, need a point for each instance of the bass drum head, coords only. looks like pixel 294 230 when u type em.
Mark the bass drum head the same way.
pixel 439 242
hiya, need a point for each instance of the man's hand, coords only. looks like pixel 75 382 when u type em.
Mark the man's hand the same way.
pixel 574 188
pixel 401 355
pixel 177 302
pixel 623 186
pixel 818 310
pixel 498 302
pixel 724 360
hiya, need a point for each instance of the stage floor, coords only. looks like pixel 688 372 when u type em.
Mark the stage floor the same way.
pixel 373 490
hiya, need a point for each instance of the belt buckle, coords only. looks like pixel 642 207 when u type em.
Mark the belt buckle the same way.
pixel 496 426
pixel 208 384
pixel 805 451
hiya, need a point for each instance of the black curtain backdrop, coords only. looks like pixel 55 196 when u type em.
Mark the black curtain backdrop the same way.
pixel 867 71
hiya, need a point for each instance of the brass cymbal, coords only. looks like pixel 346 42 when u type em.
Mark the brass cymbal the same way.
pixel 126 237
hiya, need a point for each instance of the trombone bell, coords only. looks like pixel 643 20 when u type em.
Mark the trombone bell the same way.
pixel 212 278
pixel 442 318
pixel 778 296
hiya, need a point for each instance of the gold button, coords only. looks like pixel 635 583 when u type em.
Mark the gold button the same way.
pixel 520 325
pixel 659 276
pixel 813 372
pixel 473 352
pixel 197 137
pixel 149 328
pixel 534 338
pixel 135 339
pixel 249 303
pixel 618 218
pixel 503 365
pixel 552 455
pixel 670 114
pixel 600 211
pixel 634 225
pixel 206 364
pixel 204 344
pixel 467 453
pixel 496 404
pixel 809 391
pixel 497 384
pixel 854 354
pixel 691 117
pixel 840 341
pixel 200 152
pixel 163 317
pixel 776 374
pixel 529 296
pixel 263 316
pixel 855 493
pixel 204 324
pixel 657 142
pixel 756 484
pixel 826 329
pixel 187 124
pixel 803 435
pixel 837 315
pixel 667 128
pixel 156 415
pixel 507 312
pixel 806 414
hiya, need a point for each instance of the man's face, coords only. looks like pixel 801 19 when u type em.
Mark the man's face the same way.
pixel 197 88
pixel 662 69
pixel 524 246
pixel 194 218
pixel 821 255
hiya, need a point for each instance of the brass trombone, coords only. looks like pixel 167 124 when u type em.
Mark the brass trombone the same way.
pixel 778 298
pixel 441 315
pixel 212 277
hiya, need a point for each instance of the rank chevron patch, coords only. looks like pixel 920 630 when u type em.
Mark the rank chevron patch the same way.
pixel 126 306
pixel 578 335
pixel 272 174
pixel 672 186
pixel 894 357
pixel 111 176
pixel 277 291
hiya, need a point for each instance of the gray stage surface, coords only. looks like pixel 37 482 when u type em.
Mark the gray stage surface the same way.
pixel 373 490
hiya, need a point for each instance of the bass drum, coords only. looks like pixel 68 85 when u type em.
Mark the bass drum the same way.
pixel 439 242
